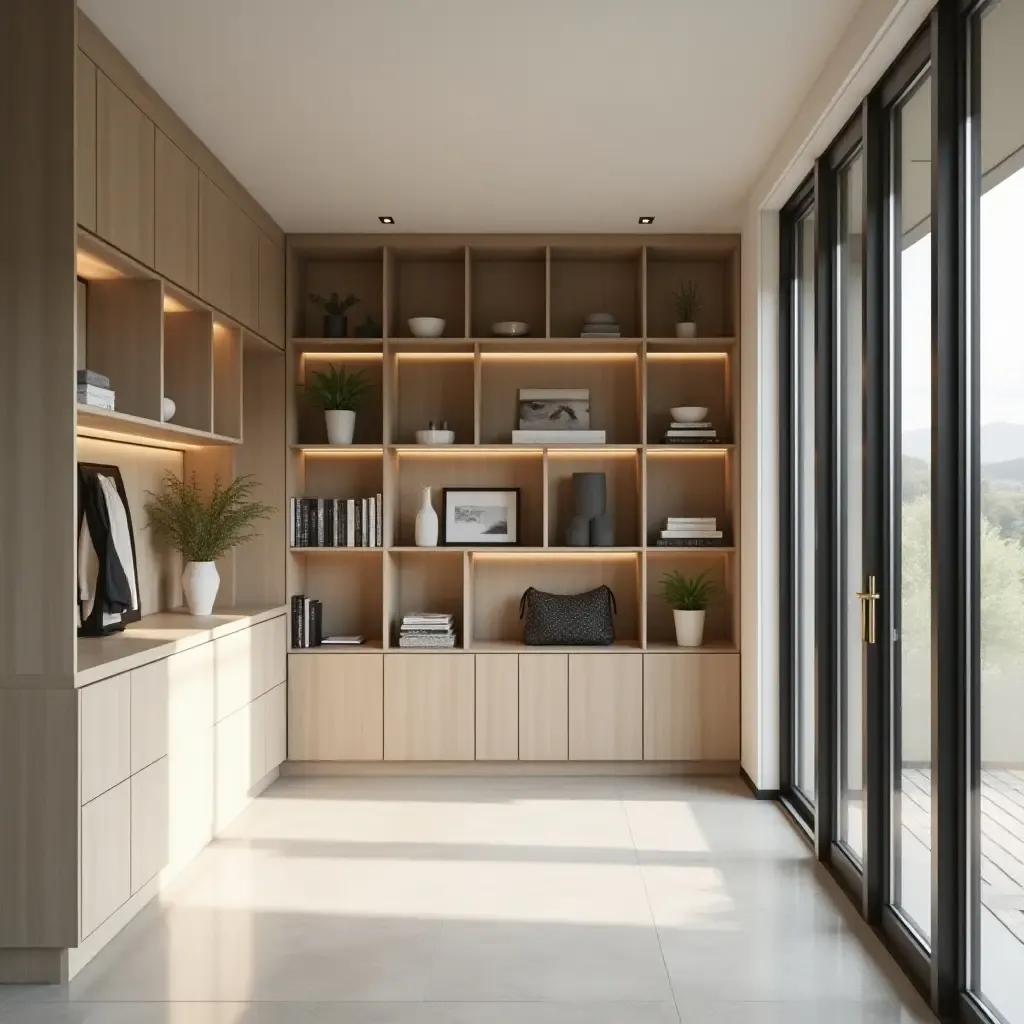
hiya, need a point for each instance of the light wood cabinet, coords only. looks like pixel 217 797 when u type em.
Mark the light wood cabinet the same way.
pixel 149 713
pixel 257 740
pixel 428 707
pixel 124 172
pixel 497 707
pixel 85 141
pixel 105 729
pixel 691 707
pixel 543 707
pixel 190 701
pixel 335 707
pixel 606 707
pixel 176 232
pixel 233 763
pixel 150 823
pixel 229 258
pixel 190 796
pixel 236 667
pixel 271 297
pixel 272 642
pixel 276 726
pixel 106 856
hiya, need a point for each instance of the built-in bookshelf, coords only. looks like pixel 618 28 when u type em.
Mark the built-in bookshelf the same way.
pixel 471 381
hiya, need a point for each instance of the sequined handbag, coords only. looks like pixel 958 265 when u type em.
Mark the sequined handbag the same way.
pixel 568 620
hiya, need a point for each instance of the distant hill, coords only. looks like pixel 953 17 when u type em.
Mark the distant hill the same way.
pixel 1000 442
pixel 1009 472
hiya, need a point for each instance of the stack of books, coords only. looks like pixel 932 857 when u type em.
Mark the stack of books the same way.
pixel 600 325
pixel 307 621
pixel 427 629
pixel 94 389
pixel 691 433
pixel 690 532
pixel 336 523
pixel 567 437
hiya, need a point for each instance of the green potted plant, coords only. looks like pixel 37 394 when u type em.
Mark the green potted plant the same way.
pixel 689 598
pixel 204 530
pixel 335 308
pixel 340 395
pixel 687 300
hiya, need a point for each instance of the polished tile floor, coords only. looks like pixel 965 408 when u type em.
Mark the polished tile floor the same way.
pixel 492 901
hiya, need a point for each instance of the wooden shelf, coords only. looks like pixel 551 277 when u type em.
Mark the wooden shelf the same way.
pixel 486 647
pixel 689 449
pixel 120 426
pixel 707 648
pixel 513 647
pixel 339 449
pixel 370 647
pixel 727 549
pixel 687 343
pixel 503 549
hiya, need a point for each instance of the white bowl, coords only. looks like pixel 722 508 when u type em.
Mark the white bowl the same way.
pixel 600 318
pixel 510 328
pixel 426 326
pixel 435 437
pixel 689 413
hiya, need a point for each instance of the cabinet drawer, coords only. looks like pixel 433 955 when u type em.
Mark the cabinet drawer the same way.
pixel 105 730
pixel 335 707
pixel 543 707
pixel 190 687
pixel 277 726
pixel 106 856
pixel 150 709
pixel 235 667
pixel 257 740
pixel 190 797
pixel 497 707
pixel 150 822
pixel 232 765
pixel 606 707
pixel 275 652
pixel 428 707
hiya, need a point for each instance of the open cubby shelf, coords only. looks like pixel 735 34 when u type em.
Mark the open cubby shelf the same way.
pixel 470 381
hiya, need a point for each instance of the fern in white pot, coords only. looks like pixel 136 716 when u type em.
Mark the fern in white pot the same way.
pixel 689 598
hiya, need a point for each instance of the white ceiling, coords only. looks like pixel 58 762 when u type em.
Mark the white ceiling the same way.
pixel 485 115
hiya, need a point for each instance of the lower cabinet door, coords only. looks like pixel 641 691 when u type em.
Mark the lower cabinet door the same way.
pixel 106 855
pixel 429 707
pixel 150 822
pixel 257 740
pixel 191 797
pixel 276 725
pixel 543 707
pixel 497 707
pixel 233 765
pixel 606 707
pixel 335 707
pixel 691 707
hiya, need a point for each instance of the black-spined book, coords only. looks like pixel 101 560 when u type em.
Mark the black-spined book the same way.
pixel 297 606
pixel 689 542
pixel 316 623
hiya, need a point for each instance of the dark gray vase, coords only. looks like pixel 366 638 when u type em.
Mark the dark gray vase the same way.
pixel 602 531
pixel 590 499
pixel 335 325
pixel 578 534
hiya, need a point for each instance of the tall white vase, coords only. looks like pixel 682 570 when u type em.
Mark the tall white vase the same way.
pixel 426 522
pixel 341 425
pixel 689 628
pixel 200 581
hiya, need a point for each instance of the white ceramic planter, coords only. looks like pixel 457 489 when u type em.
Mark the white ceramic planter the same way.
pixel 686 330
pixel 689 628
pixel 341 425
pixel 426 522
pixel 200 581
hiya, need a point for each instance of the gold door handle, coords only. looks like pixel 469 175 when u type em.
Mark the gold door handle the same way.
pixel 868 601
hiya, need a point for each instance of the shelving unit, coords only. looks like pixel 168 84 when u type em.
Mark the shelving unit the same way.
pixel 471 381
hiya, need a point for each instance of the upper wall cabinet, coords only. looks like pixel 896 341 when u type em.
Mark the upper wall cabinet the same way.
pixel 229 256
pixel 271 291
pixel 85 142
pixel 124 172
pixel 177 214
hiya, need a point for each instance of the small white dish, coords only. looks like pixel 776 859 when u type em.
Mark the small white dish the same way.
pixel 600 318
pixel 168 409
pixel 510 329
pixel 435 437
pixel 689 413
pixel 426 326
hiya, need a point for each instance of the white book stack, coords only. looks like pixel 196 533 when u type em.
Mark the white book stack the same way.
pixel 569 437
pixel 691 433
pixel 427 630
pixel 690 532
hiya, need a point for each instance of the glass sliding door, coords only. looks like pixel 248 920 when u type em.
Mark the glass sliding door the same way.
pixel 909 251
pixel 996 137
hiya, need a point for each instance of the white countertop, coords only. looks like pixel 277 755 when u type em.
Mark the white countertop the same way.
pixel 158 636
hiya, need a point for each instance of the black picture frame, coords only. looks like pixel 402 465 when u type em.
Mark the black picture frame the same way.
pixel 447 540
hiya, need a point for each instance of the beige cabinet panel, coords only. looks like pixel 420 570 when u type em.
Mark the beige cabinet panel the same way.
pixel 150 710
pixel 105 724
pixel 271 324
pixel 124 172
pixel 606 707
pixel 245 270
pixel 335 707
pixel 229 255
pixel 691 707
pixel 232 744
pixel 277 726
pixel 106 856
pixel 428 707
pixel 190 686
pixel 237 665
pixel 543 707
pixel 150 822
pixel 257 740
pixel 85 142
pixel 190 797
pixel 497 707
pixel 273 645
pixel 176 232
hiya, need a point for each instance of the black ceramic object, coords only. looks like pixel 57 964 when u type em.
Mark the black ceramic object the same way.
pixel 591 523
pixel 335 325
pixel 602 530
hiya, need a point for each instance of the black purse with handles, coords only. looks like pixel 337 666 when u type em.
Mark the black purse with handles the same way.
pixel 568 620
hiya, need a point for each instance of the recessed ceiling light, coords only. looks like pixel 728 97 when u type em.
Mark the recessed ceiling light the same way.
pixel 646 220
pixel 386 220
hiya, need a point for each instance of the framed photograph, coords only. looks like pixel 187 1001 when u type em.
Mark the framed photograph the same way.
pixel 478 516
pixel 554 409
